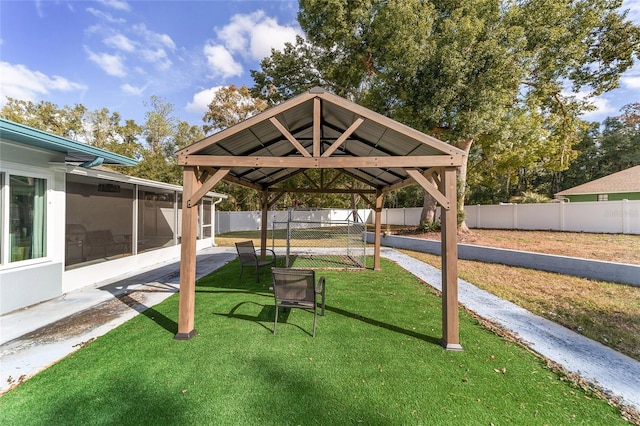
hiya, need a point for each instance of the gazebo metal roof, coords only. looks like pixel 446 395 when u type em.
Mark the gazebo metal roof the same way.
pixel 320 130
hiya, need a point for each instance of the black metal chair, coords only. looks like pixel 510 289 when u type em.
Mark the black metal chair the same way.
pixel 297 288
pixel 251 258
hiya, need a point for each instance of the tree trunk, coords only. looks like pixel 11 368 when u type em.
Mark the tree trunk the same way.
pixel 429 205
pixel 430 202
pixel 465 145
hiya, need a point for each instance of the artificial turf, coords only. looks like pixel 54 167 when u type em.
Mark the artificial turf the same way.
pixel 375 360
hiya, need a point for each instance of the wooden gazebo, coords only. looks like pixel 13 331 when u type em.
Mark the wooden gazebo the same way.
pixel 319 130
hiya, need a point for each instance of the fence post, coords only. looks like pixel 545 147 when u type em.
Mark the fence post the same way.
pixel 515 217
pixel 561 211
pixel 625 216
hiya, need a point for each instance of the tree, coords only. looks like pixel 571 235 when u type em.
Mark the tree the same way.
pixel 604 151
pixel 229 106
pixel 47 116
pixel 461 71
pixel 164 134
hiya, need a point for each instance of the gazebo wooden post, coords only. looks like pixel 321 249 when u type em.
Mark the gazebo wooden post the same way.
pixel 186 313
pixel 378 230
pixel 264 203
pixel 449 247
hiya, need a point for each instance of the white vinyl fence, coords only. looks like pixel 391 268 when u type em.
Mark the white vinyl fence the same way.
pixel 250 221
pixel 615 217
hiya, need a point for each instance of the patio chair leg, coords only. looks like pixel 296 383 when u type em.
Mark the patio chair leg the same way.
pixel 314 322
pixel 275 323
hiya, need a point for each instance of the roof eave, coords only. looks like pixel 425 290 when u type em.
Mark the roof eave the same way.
pixel 24 134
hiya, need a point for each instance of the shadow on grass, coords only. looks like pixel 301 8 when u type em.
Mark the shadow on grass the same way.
pixel 387 326
pixel 122 401
pixel 268 314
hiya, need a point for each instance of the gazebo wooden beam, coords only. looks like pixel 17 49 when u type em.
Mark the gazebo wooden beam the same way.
pixel 378 230
pixel 449 252
pixel 320 162
pixel 322 190
pixel 207 186
pixel 343 137
pixel 427 186
pixel 186 308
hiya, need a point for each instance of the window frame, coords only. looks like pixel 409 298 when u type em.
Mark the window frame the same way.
pixel 8 170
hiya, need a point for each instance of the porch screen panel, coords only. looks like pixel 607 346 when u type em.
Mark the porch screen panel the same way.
pixel 156 218
pixel 99 220
pixel 206 218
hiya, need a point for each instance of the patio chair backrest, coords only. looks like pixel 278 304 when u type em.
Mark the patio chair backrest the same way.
pixel 246 251
pixel 294 285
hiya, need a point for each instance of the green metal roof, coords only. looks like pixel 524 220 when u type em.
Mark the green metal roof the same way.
pixel 75 152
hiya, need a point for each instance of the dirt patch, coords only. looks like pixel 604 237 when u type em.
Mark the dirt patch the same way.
pixel 85 321
pixel 608 247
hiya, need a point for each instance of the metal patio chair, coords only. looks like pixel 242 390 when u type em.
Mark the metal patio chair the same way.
pixel 297 288
pixel 249 257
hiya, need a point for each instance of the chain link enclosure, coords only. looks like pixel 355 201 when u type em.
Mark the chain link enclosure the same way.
pixel 322 244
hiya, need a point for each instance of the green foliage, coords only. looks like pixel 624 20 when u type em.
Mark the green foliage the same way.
pixel 461 216
pixel 604 151
pixel 483 74
pixel 229 106
pixel 428 226
pixel 46 116
pixel 530 198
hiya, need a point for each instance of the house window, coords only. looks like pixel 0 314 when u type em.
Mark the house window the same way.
pixel 27 217
pixel 603 197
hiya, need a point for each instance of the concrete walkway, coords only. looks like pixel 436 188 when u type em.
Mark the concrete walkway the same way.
pixel 34 338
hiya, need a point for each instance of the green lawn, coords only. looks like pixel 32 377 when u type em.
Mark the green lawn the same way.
pixel 375 361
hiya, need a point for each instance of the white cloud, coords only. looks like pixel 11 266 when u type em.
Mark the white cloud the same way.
pixel 111 64
pixel 20 82
pixel 105 15
pixel 132 90
pixel 201 100
pixel 158 57
pixel 116 4
pixel 631 78
pixel 221 62
pixel 269 35
pixel 255 34
pixel 120 42
pixel 153 38
pixel 631 82
pixel 603 107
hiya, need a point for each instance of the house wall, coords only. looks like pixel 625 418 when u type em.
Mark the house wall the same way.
pixel 611 197
pixel 26 282
pixel 33 280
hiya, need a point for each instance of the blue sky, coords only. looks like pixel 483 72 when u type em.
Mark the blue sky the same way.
pixel 116 53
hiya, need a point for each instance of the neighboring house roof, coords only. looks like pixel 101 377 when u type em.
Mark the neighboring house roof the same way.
pixel 74 151
pixel 625 181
